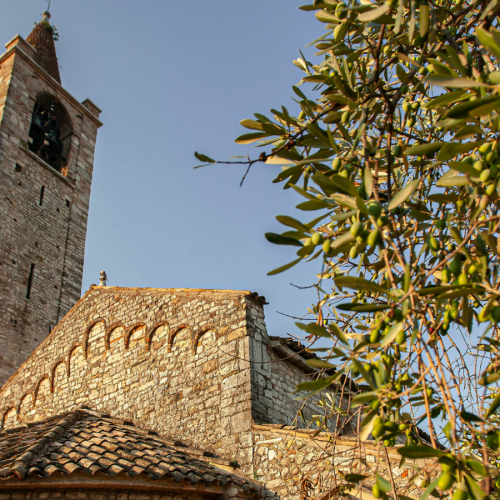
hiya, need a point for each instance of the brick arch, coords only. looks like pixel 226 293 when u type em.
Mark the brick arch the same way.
pixel 152 331
pixel 109 331
pixel 74 347
pixel 86 335
pixel 174 332
pixel 200 333
pixel 53 372
pixel 132 330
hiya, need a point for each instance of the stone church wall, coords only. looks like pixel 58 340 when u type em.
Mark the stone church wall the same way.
pixel 43 213
pixel 183 363
pixel 175 362
pixel 296 464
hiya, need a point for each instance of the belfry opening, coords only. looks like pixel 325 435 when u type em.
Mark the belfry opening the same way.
pixel 50 132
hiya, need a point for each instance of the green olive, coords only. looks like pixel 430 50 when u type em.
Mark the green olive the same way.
pixel 495 314
pixel 485 175
pixel 460 495
pixel 373 238
pixel 375 336
pixel 479 165
pixel 456 267
pixel 490 189
pixel 375 209
pixel 445 276
pixel 356 229
pixel 433 243
pixel 316 238
pixel 484 148
pixel 446 481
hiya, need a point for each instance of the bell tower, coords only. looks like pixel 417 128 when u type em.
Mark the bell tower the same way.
pixel 47 142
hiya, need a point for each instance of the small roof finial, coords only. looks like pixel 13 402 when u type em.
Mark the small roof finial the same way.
pixel 103 279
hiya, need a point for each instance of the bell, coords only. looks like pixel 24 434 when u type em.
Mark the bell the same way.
pixel 36 130
pixel 51 149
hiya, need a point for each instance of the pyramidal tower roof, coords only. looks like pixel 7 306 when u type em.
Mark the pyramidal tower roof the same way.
pixel 42 40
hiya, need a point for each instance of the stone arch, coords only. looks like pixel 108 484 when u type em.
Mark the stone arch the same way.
pixel 174 332
pixel 53 372
pixel 200 333
pixel 50 132
pixel 87 333
pixel 132 330
pixel 119 331
pixel 109 331
pixel 96 347
pixel 9 418
pixel 25 405
pixel 154 332
pixel 71 353
pixel 42 390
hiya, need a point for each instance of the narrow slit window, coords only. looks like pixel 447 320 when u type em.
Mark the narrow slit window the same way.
pixel 30 281
pixel 42 191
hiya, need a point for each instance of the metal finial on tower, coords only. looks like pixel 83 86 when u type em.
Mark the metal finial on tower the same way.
pixel 103 279
pixel 48 5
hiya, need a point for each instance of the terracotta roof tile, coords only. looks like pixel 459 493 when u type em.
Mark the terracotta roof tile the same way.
pixel 67 443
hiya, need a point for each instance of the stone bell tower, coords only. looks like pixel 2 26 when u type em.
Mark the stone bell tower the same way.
pixel 47 142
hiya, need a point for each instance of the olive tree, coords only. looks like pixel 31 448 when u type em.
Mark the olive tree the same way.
pixel 395 149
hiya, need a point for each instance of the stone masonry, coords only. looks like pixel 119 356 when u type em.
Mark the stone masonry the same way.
pixel 195 366
pixel 43 214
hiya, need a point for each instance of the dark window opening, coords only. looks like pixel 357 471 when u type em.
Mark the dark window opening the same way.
pixel 50 133
pixel 30 281
pixel 68 203
pixel 42 191
pixel 18 168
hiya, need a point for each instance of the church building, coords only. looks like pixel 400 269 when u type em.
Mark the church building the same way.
pixel 136 393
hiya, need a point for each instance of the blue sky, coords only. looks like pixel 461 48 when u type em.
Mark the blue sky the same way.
pixel 172 78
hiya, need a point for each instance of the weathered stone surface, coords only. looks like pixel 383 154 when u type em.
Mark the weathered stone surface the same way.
pixel 156 358
pixel 46 228
pixel 296 464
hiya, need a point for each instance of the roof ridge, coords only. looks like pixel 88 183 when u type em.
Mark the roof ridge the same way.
pixel 21 466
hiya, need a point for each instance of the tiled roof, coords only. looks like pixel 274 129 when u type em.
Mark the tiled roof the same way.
pixel 84 441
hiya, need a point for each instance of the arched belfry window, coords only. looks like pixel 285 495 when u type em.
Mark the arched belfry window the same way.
pixel 50 132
